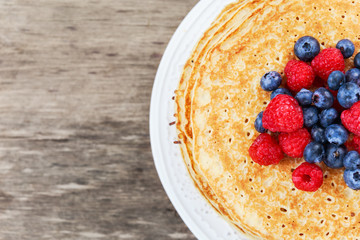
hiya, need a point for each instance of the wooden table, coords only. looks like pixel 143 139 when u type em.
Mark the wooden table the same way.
pixel 75 85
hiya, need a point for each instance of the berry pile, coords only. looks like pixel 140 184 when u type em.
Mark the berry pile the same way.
pixel 315 116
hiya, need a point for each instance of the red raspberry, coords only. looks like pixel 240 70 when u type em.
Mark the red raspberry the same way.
pixel 299 75
pixel 308 177
pixel 265 150
pixel 353 143
pixel 356 141
pixel 318 82
pixel 327 61
pixel 293 144
pixel 351 118
pixel 283 114
pixel 349 144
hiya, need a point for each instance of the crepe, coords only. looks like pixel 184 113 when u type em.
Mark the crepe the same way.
pixel 218 99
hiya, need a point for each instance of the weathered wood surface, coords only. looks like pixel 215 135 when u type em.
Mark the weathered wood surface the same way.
pixel 75 84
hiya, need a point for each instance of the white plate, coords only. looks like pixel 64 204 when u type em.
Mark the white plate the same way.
pixel 196 212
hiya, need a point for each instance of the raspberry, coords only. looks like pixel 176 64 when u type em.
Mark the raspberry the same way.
pixel 318 82
pixel 353 144
pixel 349 144
pixel 327 61
pixel 299 75
pixel 356 141
pixel 293 144
pixel 307 177
pixel 351 118
pixel 283 114
pixel 265 150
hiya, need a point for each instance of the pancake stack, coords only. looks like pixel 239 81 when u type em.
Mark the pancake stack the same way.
pixel 218 99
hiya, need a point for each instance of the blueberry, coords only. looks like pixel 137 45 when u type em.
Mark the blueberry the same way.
pixel 352 160
pixel 318 134
pixel 336 134
pixel 357 60
pixel 306 48
pixel 335 156
pixel 270 81
pixel 304 97
pixel 346 47
pixel 311 116
pixel 314 152
pixel 353 75
pixel 348 94
pixel 322 98
pixel 258 123
pixel 335 80
pixel 352 178
pixel 328 116
pixel 280 91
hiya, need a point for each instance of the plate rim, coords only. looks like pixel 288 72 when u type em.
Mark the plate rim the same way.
pixel 154 117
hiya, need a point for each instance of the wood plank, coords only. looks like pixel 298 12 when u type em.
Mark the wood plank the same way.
pixel 75 85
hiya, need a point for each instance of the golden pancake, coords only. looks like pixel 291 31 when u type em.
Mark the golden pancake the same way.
pixel 218 99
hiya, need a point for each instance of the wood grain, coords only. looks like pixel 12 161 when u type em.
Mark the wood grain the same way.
pixel 75 85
